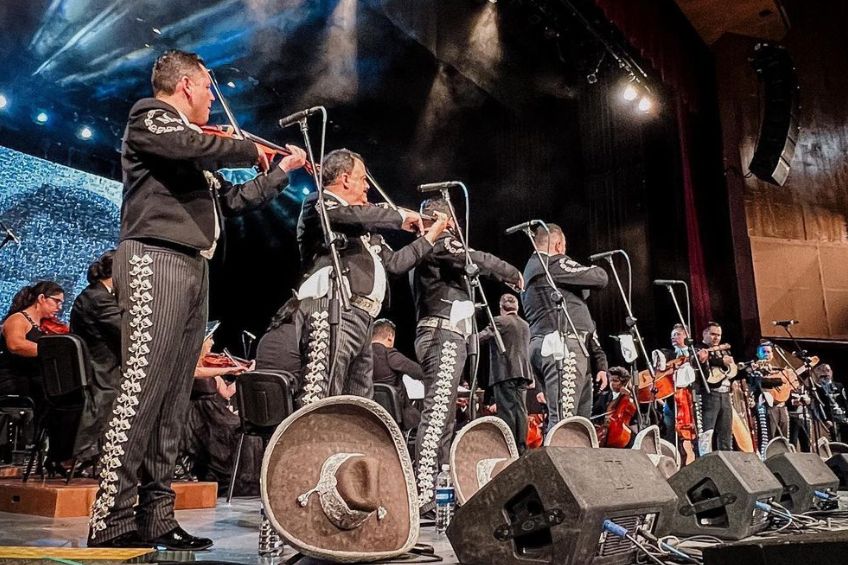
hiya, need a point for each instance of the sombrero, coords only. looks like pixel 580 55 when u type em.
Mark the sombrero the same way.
pixel 337 482
pixel 575 431
pixel 649 442
pixel 481 450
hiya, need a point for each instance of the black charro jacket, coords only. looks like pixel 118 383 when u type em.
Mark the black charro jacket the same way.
pixel 170 190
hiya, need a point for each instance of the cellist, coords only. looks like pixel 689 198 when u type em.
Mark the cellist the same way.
pixel 617 407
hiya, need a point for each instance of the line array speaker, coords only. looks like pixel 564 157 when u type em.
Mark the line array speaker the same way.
pixel 779 127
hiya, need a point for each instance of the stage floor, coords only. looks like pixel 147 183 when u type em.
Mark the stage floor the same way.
pixel 234 528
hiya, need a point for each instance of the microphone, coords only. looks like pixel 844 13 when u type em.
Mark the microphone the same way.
pixel 597 256
pixel 521 227
pixel 784 323
pixel 10 235
pixel 297 116
pixel 667 282
pixel 434 186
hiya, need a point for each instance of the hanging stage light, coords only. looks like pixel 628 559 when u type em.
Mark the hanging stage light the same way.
pixel 645 104
pixel 85 133
pixel 3 101
pixel 629 93
pixel 41 118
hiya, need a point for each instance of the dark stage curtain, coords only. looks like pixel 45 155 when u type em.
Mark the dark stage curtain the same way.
pixel 664 39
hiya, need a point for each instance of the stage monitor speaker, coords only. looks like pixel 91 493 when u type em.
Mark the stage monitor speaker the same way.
pixel 717 495
pixel 838 463
pixel 549 506
pixel 802 475
pixel 779 127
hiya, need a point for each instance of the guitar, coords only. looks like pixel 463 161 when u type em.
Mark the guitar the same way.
pixel 718 374
pixel 781 392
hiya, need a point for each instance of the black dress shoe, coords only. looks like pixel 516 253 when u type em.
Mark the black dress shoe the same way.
pixel 180 540
pixel 129 539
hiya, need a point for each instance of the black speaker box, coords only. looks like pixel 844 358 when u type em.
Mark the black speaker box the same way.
pixel 802 474
pixel 549 507
pixel 826 548
pixel 779 127
pixel 717 495
pixel 838 463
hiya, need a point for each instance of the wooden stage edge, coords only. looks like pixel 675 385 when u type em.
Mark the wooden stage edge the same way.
pixel 55 499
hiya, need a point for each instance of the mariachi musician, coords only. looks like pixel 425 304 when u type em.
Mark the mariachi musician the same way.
pixel 445 317
pixel 680 413
pixel 617 407
pixel 365 258
pixel 717 412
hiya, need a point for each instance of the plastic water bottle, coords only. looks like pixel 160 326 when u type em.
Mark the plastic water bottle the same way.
pixel 445 500
pixel 270 544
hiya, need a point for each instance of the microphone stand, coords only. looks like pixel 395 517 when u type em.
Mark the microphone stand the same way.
pixel 474 290
pixel 816 403
pixel 630 321
pixel 559 301
pixel 338 290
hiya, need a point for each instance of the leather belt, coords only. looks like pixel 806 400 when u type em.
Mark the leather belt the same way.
pixel 368 305
pixel 440 323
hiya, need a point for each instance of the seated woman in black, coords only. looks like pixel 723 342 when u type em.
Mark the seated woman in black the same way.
pixel 19 372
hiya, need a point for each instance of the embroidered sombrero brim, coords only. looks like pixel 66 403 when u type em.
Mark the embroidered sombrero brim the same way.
pixel 292 466
pixel 575 431
pixel 480 451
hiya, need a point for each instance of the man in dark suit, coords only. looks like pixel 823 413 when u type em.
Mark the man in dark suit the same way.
pixel 390 365
pixel 172 214
pixel 96 319
pixel 510 373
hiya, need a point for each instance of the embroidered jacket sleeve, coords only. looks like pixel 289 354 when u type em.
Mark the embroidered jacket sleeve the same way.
pixel 369 217
pixel 240 198
pixel 405 258
pixel 568 272
pixel 450 250
pixel 162 133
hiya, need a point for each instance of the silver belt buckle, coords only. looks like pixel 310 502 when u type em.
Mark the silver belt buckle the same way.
pixel 371 307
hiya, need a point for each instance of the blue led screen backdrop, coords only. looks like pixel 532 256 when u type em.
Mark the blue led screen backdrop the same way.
pixel 64 217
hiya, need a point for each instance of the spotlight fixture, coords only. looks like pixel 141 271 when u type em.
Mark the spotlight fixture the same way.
pixel 629 93
pixel 645 104
pixel 3 101
pixel 85 133
pixel 231 84
pixel 41 118
pixel 305 191
pixel 592 78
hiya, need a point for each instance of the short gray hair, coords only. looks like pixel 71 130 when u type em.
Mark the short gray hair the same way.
pixel 336 163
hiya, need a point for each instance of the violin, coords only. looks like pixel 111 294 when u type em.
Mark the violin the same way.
pixel 269 149
pixel 54 326
pixel 222 360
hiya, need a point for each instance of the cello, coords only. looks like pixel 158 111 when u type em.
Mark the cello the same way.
pixel 615 431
